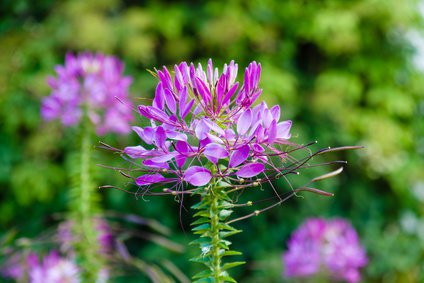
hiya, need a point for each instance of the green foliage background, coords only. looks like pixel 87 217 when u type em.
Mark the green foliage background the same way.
pixel 341 70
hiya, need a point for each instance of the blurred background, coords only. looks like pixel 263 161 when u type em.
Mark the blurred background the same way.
pixel 345 72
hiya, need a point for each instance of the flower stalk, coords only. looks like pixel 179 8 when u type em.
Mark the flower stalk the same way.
pixel 84 207
pixel 214 209
pixel 207 138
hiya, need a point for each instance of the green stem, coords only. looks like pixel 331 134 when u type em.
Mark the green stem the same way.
pixel 84 202
pixel 216 239
pixel 86 186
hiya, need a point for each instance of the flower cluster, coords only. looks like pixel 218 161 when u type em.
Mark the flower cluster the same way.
pixel 67 238
pixel 55 267
pixel 52 268
pixel 93 83
pixel 325 246
pixel 203 126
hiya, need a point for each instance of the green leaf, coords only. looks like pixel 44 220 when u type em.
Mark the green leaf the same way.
pixel 233 264
pixel 200 221
pixel 205 226
pixel 231 253
pixel 227 234
pixel 203 274
pixel 228 278
pixel 225 213
pixel 202 213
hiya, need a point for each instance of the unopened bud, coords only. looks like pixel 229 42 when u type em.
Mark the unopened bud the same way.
pixel 257 212
pixel 241 181
pixel 255 184
pixel 249 203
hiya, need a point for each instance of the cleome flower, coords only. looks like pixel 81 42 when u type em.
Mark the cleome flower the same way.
pixel 203 126
pixel 92 83
pixel 325 246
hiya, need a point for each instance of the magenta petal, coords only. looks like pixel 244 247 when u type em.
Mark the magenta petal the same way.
pixel 158 101
pixel 197 176
pixel 283 130
pixel 201 130
pixel 149 179
pixel 136 151
pixel 267 117
pixel 244 122
pixel 164 157
pixel 272 132
pixel 250 170
pixel 203 90
pixel 160 137
pixel 153 164
pixel 230 93
pixel 170 101
pixel 275 112
pixel 214 127
pixel 146 134
pixel 213 152
pixel 182 147
pixel 180 160
pixel 152 112
pixel 187 109
pixel 239 156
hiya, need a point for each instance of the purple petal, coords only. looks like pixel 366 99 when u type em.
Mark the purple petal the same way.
pixel 164 157
pixel 239 156
pixel 213 126
pixel 221 86
pixel 152 112
pixel 244 122
pixel 267 117
pixel 272 132
pixel 201 130
pixel 275 112
pixel 283 130
pixel 180 160
pixel 203 90
pixel 257 148
pixel 136 151
pixel 197 176
pixel 230 93
pixel 213 152
pixel 151 163
pixel 250 170
pixel 183 101
pixel 187 109
pixel 158 101
pixel 182 147
pixel 146 134
pixel 170 101
pixel 160 137
pixel 149 179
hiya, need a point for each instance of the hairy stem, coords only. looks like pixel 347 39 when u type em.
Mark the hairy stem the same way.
pixel 214 214
pixel 214 209
pixel 83 207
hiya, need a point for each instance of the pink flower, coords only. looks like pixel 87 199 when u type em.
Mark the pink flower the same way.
pixel 203 126
pixel 331 245
pixel 53 269
pixel 94 82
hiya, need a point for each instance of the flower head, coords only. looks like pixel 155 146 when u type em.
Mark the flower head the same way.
pixel 94 82
pixel 53 269
pixel 329 246
pixel 203 125
pixel 67 237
